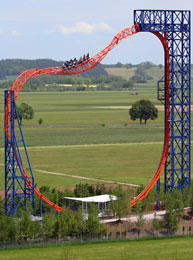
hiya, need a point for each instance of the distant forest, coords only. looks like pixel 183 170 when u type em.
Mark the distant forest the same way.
pixel 95 79
pixel 12 67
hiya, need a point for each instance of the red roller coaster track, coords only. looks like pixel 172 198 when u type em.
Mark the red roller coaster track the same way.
pixel 87 65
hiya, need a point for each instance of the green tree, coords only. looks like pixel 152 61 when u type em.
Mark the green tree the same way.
pixel 82 190
pixel 156 226
pixel 128 84
pixel 24 112
pixel 94 227
pixel 40 121
pixel 140 70
pixel 3 229
pixel 26 227
pixel 121 206
pixel 140 222
pixel 143 110
pixel 171 221
pixel 65 222
pixel 174 210
pixel 49 225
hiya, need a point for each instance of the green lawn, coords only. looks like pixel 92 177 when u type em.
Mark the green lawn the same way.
pixel 130 163
pixel 77 118
pixel 162 249
pixel 72 128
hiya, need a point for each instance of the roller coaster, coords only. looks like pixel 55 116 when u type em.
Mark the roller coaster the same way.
pixel 172 28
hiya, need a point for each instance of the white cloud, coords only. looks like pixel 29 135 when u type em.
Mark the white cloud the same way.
pixel 85 28
pixel 15 33
pixel 103 26
pixel 50 31
pixel 1 31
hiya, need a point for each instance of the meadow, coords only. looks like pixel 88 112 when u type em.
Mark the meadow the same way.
pixel 158 249
pixel 89 134
pixel 155 72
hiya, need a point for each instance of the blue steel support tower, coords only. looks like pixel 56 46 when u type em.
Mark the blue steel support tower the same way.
pixel 17 192
pixel 175 26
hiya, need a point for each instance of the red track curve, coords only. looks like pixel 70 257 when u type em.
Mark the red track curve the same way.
pixel 87 65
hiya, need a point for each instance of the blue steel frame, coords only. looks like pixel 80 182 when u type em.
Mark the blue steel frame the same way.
pixel 175 26
pixel 17 193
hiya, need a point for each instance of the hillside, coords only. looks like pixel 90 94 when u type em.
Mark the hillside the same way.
pixel 155 72
pixel 102 77
pixel 14 67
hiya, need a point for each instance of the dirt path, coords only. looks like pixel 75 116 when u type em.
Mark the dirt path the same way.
pixel 85 178
pixel 82 178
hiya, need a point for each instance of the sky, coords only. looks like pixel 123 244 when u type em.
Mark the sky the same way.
pixel 61 30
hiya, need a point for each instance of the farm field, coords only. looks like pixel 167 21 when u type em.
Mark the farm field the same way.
pixel 78 117
pixel 89 134
pixel 155 72
pixel 160 249
pixel 130 163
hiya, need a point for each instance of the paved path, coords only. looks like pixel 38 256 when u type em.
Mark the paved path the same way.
pixel 148 216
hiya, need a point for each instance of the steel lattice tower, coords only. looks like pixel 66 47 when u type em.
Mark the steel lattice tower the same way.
pixel 175 26
pixel 17 192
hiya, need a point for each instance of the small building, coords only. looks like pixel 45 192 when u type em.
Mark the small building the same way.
pixel 102 202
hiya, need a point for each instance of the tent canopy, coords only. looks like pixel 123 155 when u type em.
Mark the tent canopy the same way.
pixel 97 199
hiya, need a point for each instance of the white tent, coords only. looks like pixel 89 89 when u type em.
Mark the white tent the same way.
pixel 101 200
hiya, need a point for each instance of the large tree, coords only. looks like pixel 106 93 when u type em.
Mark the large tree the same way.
pixel 143 110
pixel 24 112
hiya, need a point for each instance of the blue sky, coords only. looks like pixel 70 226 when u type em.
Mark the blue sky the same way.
pixel 60 29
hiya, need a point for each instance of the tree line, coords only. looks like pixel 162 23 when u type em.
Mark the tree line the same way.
pixel 74 224
pixel 66 223
pixel 78 83
pixel 98 75
pixel 13 67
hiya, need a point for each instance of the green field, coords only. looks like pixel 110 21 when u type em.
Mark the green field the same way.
pixel 160 249
pixel 155 72
pixel 89 134
pixel 130 163
pixel 76 118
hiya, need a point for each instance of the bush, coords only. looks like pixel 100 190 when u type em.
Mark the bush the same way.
pixel 40 121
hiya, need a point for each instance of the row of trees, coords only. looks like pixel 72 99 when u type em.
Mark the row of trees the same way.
pixel 97 75
pixel 174 204
pixel 67 223
pixel 17 66
pixel 71 223
pixel 57 83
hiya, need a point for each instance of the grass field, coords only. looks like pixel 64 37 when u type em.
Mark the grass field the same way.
pixel 155 72
pixel 84 133
pixel 130 163
pixel 159 249
pixel 88 111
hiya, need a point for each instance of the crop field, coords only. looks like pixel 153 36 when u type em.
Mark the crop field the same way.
pixel 89 134
pixel 155 72
pixel 159 249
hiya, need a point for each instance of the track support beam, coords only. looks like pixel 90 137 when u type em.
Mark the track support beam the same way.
pixel 17 192
pixel 175 26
